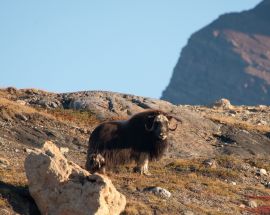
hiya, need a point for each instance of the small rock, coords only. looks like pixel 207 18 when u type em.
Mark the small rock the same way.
pixel 64 150
pixel 4 212
pixel 54 105
pixel 252 204
pixel 245 166
pixel 262 122
pixel 210 163
pixel 233 183
pixel 222 103
pixel 83 130
pixel 17 150
pixel 232 112
pixel 158 191
pixel 261 172
pixel 267 184
pixel 4 161
pixel 28 151
pixel 242 206
pixel 21 102
pixel 21 117
pixel 188 213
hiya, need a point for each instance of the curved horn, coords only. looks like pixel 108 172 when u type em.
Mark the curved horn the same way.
pixel 175 117
pixel 173 129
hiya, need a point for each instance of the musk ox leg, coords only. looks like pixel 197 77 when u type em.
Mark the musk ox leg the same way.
pixel 142 164
pixel 96 163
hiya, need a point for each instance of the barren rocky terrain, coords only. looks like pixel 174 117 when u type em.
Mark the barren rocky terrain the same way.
pixel 217 162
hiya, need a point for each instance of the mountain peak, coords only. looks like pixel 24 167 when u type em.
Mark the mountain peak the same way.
pixel 229 58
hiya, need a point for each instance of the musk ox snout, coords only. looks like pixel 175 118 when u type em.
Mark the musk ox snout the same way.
pixel 160 126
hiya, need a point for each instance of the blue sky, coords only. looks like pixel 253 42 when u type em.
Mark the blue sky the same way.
pixel 121 45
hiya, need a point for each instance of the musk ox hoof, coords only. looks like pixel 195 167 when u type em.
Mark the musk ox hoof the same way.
pixel 146 173
pixel 140 170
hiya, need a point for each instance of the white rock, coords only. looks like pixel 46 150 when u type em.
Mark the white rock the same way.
pixel 4 161
pixel 158 191
pixel 21 102
pixel 28 151
pixel 188 213
pixel 262 172
pixel 252 204
pixel 223 103
pixel 210 163
pixel 242 206
pixel 64 150
pixel 233 183
pixel 61 187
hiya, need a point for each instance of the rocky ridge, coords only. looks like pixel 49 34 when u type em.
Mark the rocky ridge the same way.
pixel 229 58
pixel 209 167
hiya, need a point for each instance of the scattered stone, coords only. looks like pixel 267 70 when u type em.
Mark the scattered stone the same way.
pixel 21 117
pixel 61 187
pixel 267 184
pixel 261 122
pixel 242 206
pixel 210 163
pixel 232 112
pixel 233 183
pixel 21 102
pixel 252 204
pixel 158 191
pixel 261 172
pixel 245 166
pixel 188 213
pixel 48 102
pixel 28 151
pixel 17 150
pixel 64 150
pixel 223 103
pixel 4 212
pixel 4 163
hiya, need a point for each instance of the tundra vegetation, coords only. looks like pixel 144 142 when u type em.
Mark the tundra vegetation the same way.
pixel 220 180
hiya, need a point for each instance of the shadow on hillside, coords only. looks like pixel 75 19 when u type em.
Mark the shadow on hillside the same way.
pixel 19 199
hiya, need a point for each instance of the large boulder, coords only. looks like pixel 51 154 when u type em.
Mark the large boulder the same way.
pixel 60 187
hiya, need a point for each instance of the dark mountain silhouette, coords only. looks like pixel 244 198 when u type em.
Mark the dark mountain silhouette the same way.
pixel 230 58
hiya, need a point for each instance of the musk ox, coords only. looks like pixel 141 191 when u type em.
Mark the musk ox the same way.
pixel 142 138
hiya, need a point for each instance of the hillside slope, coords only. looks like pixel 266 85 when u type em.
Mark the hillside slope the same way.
pixel 230 136
pixel 229 58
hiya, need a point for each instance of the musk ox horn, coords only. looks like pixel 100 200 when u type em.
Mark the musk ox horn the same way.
pixel 173 129
pixel 170 117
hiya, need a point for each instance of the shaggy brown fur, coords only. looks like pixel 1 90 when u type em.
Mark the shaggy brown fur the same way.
pixel 121 142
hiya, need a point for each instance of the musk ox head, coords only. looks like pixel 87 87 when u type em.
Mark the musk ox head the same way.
pixel 159 125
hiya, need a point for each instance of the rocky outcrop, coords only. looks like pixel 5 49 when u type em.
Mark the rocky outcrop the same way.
pixel 229 58
pixel 60 187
